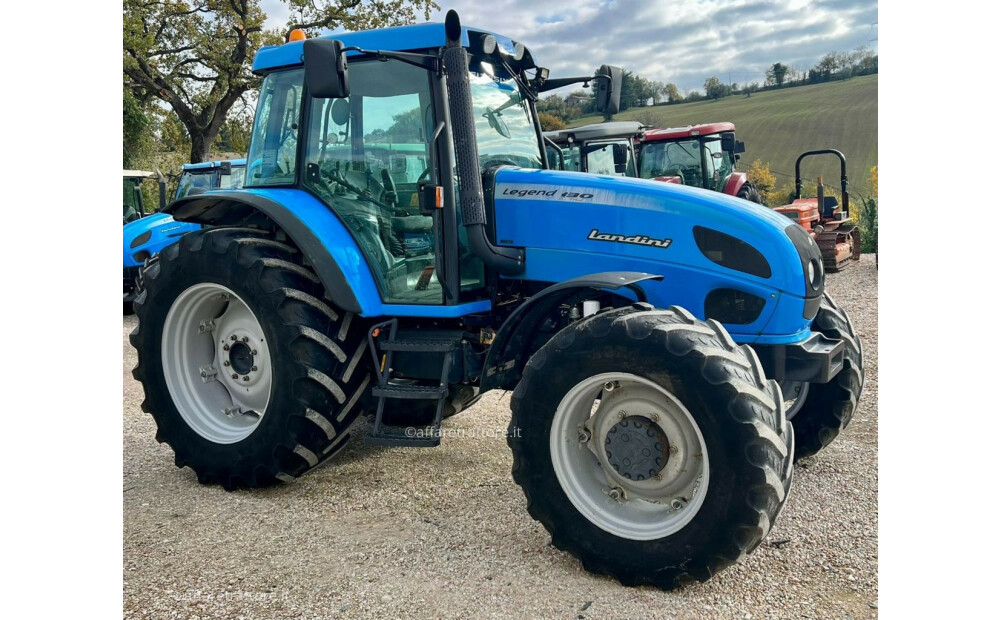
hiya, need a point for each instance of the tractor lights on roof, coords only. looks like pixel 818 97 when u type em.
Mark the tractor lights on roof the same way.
pixel 489 43
pixel 296 35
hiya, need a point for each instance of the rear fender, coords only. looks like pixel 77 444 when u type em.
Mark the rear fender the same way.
pixel 317 232
pixel 512 346
pixel 734 183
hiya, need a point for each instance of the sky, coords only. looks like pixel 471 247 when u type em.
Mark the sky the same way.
pixel 679 41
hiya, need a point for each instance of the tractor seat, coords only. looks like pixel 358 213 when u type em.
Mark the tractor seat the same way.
pixel 828 207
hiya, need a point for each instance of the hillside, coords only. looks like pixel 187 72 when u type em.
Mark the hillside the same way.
pixel 778 125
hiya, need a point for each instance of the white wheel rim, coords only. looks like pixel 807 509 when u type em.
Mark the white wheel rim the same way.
pixel 635 509
pixel 216 363
pixel 794 393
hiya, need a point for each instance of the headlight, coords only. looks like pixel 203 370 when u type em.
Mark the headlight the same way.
pixel 814 273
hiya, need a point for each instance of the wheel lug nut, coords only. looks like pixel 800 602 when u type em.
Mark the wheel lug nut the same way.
pixel 584 435
pixel 609 386
pixel 233 338
pixel 245 339
pixel 225 363
pixel 254 352
pixel 235 376
pixel 246 378
pixel 253 369
pixel 225 347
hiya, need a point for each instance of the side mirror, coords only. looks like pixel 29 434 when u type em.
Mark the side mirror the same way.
pixel 226 168
pixel 326 68
pixel 741 147
pixel 608 91
pixel 729 141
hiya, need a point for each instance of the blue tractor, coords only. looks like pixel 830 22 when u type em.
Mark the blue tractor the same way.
pixel 146 234
pixel 656 337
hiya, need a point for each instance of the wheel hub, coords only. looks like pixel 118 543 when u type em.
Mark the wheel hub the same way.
pixel 241 358
pixel 637 448
pixel 216 363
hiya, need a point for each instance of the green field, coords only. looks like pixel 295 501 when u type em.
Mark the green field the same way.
pixel 778 125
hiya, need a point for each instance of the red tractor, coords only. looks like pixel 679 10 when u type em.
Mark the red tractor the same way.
pixel 827 222
pixel 697 155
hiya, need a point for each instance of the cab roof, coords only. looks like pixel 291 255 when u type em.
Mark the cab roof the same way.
pixel 676 133
pixel 596 131
pixel 395 39
pixel 236 163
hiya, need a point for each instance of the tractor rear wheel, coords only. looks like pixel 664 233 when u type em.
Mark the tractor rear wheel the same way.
pixel 650 445
pixel 819 411
pixel 250 375
pixel 750 192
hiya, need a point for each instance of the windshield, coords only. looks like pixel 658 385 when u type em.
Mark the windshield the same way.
pixel 672 159
pixel 195 179
pixel 505 132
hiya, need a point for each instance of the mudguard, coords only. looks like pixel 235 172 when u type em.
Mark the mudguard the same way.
pixel 734 182
pixel 324 241
pixel 510 349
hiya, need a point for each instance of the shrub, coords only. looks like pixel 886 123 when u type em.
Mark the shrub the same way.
pixel 761 176
pixel 868 216
pixel 550 122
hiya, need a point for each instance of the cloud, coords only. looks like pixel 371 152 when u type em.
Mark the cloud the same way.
pixel 680 41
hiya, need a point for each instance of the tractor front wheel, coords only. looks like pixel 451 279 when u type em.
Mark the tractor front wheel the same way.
pixel 250 375
pixel 650 445
pixel 819 411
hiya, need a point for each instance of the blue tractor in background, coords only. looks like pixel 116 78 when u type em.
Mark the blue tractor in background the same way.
pixel 146 234
pixel 661 341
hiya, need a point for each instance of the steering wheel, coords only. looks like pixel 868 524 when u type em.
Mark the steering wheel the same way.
pixel 337 177
pixel 496 162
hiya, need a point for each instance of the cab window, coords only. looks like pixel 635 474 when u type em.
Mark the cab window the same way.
pixel 365 157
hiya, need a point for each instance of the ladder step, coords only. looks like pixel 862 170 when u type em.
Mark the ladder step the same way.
pixel 395 436
pixel 401 344
pixel 415 392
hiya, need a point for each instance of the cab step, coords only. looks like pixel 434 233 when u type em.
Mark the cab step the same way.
pixel 386 339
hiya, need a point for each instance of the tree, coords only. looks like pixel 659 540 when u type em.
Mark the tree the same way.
pixel 195 55
pixel 135 129
pixel 550 122
pixel 776 74
pixel 714 88
pixel 671 93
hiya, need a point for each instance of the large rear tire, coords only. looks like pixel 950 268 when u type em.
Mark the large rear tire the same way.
pixel 749 191
pixel 823 410
pixel 650 445
pixel 250 375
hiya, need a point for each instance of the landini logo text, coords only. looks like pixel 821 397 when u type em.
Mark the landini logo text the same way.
pixel 597 235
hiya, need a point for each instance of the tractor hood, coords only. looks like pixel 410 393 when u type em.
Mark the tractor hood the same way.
pixel 573 224
pixel 148 235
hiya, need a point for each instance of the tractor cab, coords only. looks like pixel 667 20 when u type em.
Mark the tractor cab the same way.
pixel 601 148
pixel 205 176
pixel 697 155
pixel 134 206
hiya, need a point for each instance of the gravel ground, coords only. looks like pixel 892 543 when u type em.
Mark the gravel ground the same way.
pixel 444 533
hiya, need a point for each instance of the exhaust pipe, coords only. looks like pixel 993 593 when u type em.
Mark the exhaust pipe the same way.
pixel 505 260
